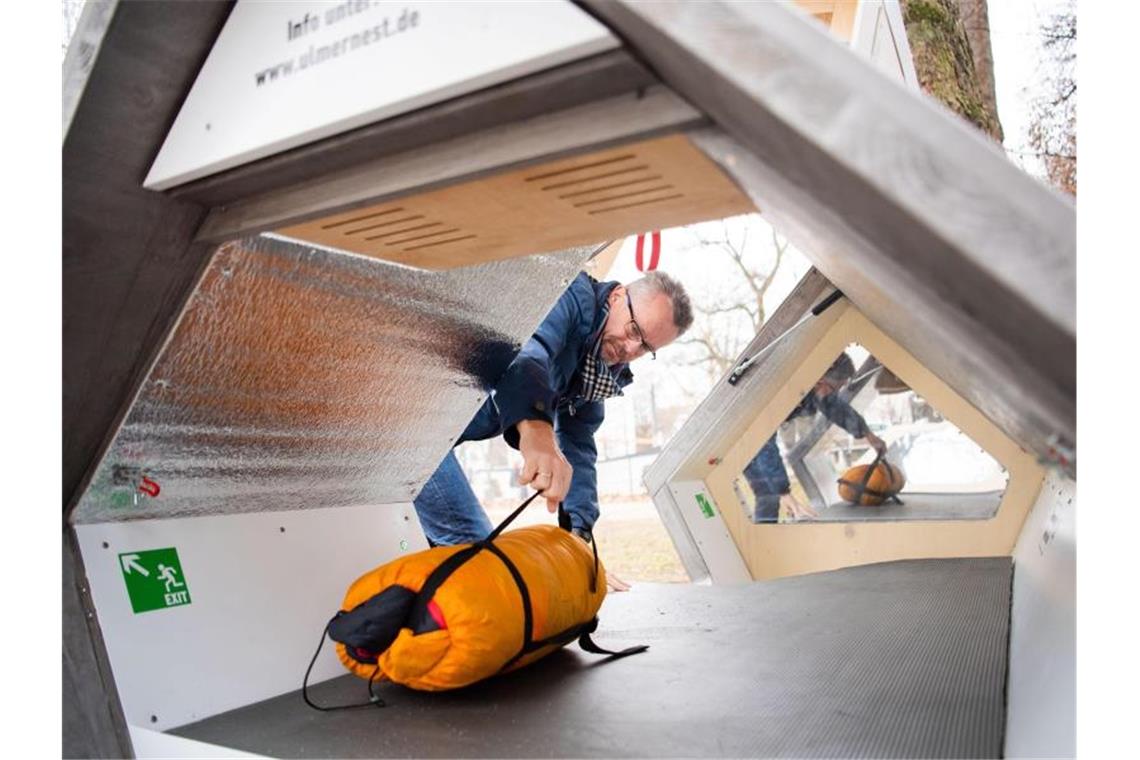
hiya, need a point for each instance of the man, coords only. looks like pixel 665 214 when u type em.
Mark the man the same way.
pixel 766 474
pixel 549 403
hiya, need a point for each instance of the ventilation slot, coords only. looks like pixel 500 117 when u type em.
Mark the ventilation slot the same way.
pixel 567 202
pixel 362 218
pixel 583 167
pixel 583 180
pixel 623 196
pixel 381 225
pixel 654 178
pixel 405 231
pixel 612 184
pixel 398 229
pixel 439 242
pixel 674 196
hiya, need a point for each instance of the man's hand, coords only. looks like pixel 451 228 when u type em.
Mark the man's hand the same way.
pixel 797 509
pixel 877 443
pixel 544 467
pixel 615 583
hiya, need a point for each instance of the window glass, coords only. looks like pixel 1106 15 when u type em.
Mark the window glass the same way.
pixel 860 446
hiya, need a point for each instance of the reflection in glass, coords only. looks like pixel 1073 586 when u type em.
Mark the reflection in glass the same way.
pixel 861 415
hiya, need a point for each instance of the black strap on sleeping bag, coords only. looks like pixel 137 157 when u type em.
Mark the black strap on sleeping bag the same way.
pixel 588 644
pixel 365 631
pixel 861 488
pixel 373 698
pixel 581 632
pixel 455 561
pixel 566 525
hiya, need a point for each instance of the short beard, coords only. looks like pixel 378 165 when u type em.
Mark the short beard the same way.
pixel 614 346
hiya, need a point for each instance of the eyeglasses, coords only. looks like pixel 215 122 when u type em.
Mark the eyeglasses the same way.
pixel 633 330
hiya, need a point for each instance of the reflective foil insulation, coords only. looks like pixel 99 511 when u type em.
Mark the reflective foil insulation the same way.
pixel 301 378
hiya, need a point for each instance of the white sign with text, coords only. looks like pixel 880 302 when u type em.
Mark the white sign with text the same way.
pixel 282 74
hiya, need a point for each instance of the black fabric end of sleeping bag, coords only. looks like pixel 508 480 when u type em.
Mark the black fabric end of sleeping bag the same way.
pixel 371 627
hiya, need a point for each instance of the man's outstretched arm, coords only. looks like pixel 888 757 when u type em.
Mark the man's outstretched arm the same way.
pixel 845 416
pixel 526 400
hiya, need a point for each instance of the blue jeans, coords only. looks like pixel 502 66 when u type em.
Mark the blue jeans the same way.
pixel 448 509
pixel 768 479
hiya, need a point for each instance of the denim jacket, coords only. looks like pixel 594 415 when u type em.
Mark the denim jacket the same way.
pixel 836 408
pixel 542 384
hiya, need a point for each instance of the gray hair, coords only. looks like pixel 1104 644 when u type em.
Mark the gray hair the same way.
pixel 659 282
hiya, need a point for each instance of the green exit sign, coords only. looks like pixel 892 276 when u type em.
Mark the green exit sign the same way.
pixel 706 508
pixel 154 579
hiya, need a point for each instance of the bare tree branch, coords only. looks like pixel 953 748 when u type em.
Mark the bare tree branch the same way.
pixel 746 308
pixel 720 347
pixel 1053 113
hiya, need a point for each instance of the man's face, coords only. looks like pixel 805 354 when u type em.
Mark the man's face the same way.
pixel 653 313
pixel 825 387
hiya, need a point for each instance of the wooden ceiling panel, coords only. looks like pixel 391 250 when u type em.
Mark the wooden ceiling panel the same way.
pixel 837 15
pixel 663 182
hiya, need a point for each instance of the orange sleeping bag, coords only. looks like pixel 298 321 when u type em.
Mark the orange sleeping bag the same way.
pixel 872 484
pixel 452 615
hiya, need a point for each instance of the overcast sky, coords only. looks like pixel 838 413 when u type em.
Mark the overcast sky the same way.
pixel 1015 39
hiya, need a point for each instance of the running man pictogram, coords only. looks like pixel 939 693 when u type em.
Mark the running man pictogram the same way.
pixel 166 573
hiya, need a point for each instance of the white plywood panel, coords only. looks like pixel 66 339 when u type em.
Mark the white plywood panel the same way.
pixel 262 587
pixel 778 550
pixel 703 518
pixel 282 74
pixel 1042 691
pixel 154 744
pixel 880 35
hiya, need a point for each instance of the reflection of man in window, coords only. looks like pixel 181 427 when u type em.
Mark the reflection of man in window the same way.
pixel 766 474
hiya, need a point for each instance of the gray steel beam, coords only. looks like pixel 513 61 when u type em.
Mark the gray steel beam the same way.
pixel 82 51
pixel 93 722
pixel 128 264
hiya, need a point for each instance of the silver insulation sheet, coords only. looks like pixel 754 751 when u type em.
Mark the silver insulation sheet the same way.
pixel 301 378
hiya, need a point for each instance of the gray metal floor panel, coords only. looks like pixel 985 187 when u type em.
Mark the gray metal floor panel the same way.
pixel 900 659
pixel 919 506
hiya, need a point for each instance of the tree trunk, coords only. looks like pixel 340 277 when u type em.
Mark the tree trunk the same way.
pixel 945 60
pixel 975 17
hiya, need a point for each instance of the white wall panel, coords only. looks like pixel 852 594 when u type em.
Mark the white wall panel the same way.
pixel 1041 717
pixel 262 587
pixel 702 516
pixel 283 74
pixel 154 744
